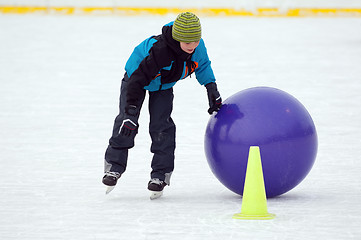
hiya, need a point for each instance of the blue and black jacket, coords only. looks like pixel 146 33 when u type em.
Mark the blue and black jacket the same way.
pixel 158 63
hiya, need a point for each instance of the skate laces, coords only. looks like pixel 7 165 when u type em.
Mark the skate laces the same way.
pixel 113 174
pixel 156 181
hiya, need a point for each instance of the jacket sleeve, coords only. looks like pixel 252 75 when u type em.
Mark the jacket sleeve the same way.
pixel 141 71
pixel 204 72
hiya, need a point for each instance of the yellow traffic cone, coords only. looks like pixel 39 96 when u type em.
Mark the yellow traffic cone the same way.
pixel 254 201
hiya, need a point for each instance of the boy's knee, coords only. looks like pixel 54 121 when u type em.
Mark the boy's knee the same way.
pixel 121 142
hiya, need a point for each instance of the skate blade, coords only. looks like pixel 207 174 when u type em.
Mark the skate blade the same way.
pixel 155 195
pixel 109 189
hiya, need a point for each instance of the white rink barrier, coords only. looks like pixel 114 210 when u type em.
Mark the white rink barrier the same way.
pixel 246 8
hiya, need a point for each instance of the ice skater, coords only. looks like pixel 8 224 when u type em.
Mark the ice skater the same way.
pixel 155 66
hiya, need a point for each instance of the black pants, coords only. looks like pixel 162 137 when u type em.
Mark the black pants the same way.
pixel 161 129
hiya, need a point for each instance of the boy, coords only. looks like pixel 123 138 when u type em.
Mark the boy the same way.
pixel 155 66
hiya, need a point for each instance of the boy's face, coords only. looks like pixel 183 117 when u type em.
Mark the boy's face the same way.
pixel 189 47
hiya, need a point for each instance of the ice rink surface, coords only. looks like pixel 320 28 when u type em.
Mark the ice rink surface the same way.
pixel 59 86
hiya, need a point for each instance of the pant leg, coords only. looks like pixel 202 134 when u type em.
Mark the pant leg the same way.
pixel 116 155
pixel 162 132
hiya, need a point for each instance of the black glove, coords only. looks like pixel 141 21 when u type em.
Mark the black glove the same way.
pixel 214 98
pixel 130 122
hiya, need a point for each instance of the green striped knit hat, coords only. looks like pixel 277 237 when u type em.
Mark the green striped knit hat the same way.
pixel 187 28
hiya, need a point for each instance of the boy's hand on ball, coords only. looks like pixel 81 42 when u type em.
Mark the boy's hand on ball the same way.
pixel 217 104
pixel 214 98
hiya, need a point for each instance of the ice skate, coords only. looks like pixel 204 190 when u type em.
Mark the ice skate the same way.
pixel 110 179
pixel 156 186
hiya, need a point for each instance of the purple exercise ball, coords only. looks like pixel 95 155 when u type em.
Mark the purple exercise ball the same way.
pixel 271 119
